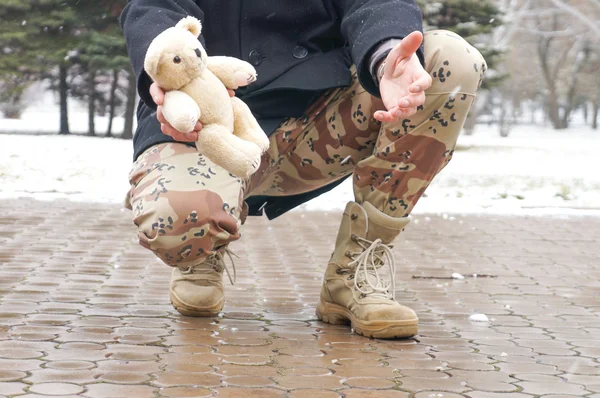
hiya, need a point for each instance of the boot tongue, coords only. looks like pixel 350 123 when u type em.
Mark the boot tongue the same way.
pixel 387 235
pixel 381 226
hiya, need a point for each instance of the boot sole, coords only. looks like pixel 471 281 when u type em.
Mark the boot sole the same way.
pixel 188 310
pixel 335 314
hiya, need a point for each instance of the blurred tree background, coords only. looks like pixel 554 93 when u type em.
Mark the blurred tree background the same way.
pixel 543 58
pixel 77 48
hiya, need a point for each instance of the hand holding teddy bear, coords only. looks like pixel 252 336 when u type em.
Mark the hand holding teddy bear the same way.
pixel 197 95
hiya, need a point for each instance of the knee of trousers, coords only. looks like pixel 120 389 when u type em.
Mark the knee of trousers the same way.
pixel 183 228
pixel 453 60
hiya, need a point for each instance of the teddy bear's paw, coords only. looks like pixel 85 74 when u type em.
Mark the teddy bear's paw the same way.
pixel 245 170
pixel 185 124
pixel 244 78
pixel 263 142
pixel 253 166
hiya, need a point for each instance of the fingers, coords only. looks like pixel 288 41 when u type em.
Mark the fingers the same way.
pixel 394 114
pixel 406 48
pixel 158 95
pixel 385 116
pixel 178 136
pixel 160 116
pixel 421 84
pixel 410 44
pixel 406 107
pixel 231 93
pixel 412 100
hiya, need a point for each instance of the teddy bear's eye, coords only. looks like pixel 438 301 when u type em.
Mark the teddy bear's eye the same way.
pixel 177 59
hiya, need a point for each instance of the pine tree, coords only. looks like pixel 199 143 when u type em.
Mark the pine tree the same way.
pixel 45 39
pixel 102 55
pixel 36 37
pixel 470 19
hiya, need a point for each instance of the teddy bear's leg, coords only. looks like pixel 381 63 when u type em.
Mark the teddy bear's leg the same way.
pixel 245 125
pixel 241 158
pixel 233 72
pixel 181 111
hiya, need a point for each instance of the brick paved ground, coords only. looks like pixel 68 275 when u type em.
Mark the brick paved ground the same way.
pixel 84 311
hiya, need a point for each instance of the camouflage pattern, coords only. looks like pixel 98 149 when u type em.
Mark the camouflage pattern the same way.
pixel 185 206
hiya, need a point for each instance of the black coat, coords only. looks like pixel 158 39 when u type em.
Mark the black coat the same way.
pixel 300 48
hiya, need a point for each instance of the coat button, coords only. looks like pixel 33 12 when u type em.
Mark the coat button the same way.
pixel 300 52
pixel 255 58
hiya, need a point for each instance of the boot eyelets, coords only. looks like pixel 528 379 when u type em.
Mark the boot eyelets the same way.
pixel 354 216
pixel 354 237
pixel 348 254
pixel 362 296
pixel 351 277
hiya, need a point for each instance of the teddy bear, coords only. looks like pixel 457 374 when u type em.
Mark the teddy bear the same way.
pixel 195 88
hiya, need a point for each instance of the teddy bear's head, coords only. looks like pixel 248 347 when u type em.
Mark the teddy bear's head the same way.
pixel 176 56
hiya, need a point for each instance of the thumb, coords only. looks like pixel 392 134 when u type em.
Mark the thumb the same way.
pixel 158 95
pixel 405 49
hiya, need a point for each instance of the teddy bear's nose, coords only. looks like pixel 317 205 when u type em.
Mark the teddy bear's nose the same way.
pixel 198 53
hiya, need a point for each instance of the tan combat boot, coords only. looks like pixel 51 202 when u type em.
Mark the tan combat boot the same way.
pixel 198 290
pixel 354 289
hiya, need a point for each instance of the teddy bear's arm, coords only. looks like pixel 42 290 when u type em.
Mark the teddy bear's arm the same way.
pixel 233 72
pixel 181 111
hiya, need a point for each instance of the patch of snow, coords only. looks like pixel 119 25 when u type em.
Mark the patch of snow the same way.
pixel 535 171
pixel 456 275
pixel 479 318
pixel 79 168
pixel 42 115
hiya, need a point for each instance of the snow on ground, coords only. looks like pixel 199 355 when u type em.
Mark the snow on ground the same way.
pixel 51 166
pixel 534 171
pixel 42 116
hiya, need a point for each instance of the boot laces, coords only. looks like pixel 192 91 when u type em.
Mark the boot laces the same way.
pixel 367 264
pixel 214 263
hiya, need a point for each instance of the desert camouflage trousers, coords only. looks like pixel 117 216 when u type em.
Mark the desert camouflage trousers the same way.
pixel 185 206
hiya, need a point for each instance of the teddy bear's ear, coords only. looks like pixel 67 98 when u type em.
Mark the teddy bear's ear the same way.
pixel 192 24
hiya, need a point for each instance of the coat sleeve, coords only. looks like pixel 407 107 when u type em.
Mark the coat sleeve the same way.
pixel 366 24
pixel 143 20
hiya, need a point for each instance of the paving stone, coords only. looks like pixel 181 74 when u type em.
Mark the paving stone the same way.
pixel 183 392
pixel 56 389
pixel 169 379
pixel 436 394
pixel 374 394
pixel 483 394
pixel 12 388
pixel 11 375
pixel 232 392
pixel 552 388
pixel 72 324
pixel 106 390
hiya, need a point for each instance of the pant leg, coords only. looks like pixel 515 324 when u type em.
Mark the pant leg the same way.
pixel 184 205
pixel 411 152
pixel 308 153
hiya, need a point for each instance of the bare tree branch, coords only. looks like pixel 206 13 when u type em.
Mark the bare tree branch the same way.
pixel 593 25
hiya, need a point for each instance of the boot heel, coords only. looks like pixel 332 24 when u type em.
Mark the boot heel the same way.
pixel 326 315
